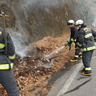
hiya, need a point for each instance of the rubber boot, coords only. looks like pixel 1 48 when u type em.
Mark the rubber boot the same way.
pixel 74 59
pixel 87 73
pixel 80 56
pixel 83 70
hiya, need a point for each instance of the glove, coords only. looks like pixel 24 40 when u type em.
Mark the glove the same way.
pixel 69 42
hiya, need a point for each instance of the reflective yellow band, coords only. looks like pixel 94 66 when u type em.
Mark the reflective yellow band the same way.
pixel 2 46
pixel 5 15
pixel 88 49
pixel 80 53
pixel 5 66
pixel 76 56
pixel 88 68
pixel 84 49
pixel 79 44
pixel 91 48
pixel 12 57
pixel 72 39
pixel 88 35
pixel 87 29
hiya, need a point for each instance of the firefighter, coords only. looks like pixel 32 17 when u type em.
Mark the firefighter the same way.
pixel 74 38
pixel 7 78
pixel 86 42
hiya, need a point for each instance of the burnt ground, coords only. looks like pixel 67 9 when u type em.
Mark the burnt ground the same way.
pixel 32 73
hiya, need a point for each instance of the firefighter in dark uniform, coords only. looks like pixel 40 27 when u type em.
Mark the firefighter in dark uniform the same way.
pixel 6 64
pixel 86 42
pixel 74 38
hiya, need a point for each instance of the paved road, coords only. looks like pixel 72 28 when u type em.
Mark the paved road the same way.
pixel 73 83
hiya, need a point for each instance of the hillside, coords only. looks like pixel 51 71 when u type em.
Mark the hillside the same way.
pixel 38 28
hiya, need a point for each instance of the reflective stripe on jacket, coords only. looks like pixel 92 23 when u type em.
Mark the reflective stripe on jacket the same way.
pixel 6 62
pixel 2 45
pixel 12 57
pixel 5 66
pixel 86 41
pixel 88 49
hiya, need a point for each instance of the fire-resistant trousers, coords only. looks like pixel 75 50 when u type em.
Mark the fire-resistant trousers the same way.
pixel 8 81
pixel 77 52
pixel 86 58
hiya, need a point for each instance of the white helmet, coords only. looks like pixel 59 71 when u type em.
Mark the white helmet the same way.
pixel 70 22
pixel 79 22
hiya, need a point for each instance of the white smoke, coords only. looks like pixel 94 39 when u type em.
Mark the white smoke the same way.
pixel 88 8
pixel 94 22
pixel 20 47
pixel 45 2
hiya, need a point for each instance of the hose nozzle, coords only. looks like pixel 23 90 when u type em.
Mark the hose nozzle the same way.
pixel 2 14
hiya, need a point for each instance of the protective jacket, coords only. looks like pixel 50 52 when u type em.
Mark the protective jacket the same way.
pixel 86 40
pixel 6 61
pixel 74 34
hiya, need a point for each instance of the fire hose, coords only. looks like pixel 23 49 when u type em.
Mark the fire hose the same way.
pixel 49 61
pixel 63 53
